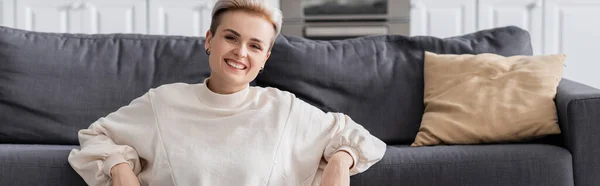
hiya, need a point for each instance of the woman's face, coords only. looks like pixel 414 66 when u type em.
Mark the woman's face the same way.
pixel 239 48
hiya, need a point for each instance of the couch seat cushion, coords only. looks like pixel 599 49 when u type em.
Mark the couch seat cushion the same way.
pixel 471 165
pixel 37 165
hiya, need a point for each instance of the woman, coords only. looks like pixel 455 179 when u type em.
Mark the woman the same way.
pixel 223 131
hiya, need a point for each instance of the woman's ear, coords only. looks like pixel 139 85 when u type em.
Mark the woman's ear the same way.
pixel 207 40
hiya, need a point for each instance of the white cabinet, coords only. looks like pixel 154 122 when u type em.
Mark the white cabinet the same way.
pixel 526 14
pixel 76 16
pixel 572 27
pixel 2 11
pixel 53 16
pixel 114 16
pixel 168 17
pixel 183 17
pixel 443 18
pixel 180 17
pixel 555 26
pixel 7 13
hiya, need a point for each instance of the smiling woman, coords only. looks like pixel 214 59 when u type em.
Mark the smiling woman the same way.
pixel 239 42
pixel 223 131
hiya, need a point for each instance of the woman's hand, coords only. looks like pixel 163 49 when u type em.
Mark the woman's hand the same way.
pixel 122 175
pixel 337 171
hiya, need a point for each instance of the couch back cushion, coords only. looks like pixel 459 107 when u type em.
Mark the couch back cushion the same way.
pixel 53 85
pixel 376 80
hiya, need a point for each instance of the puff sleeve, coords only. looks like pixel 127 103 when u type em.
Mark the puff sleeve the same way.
pixel 112 140
pixel 338 132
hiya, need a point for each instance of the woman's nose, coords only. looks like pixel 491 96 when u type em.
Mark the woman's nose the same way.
pixel 241 51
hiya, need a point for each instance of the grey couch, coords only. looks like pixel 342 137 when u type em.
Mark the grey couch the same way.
pixel 52 85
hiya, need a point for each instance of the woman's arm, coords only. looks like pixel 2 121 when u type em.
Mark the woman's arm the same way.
pixel 110 141
pixel 337 170
pixel 122 175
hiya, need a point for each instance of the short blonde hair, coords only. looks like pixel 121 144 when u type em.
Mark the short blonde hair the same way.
pixel 258 7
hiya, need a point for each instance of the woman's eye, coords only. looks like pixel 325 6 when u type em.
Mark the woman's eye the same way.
pixel 256 46
pixel 229 38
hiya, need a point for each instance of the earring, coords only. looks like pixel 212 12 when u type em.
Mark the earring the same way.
pixel 261 70
pixel 207 52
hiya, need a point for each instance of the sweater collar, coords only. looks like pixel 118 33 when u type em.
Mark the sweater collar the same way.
pixel 217 100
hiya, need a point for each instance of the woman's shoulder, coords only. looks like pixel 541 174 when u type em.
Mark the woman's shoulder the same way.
pixel 173 89
pixel 175 86
pixel 272 92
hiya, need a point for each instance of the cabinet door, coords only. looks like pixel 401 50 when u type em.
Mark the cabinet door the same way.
pixel 180 17
pixel 114 16
pixel 2 13
pixel 442 18
pixel 75 16
pixel 526 14
pixel 572 27
pixel 7 13
pixel 47 16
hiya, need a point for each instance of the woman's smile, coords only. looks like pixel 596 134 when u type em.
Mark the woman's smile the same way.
pixel 237 65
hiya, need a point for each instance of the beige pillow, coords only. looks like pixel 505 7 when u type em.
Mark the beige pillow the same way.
pixel 486 98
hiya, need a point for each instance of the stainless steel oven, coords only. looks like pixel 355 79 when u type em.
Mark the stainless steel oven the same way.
pixel 339 19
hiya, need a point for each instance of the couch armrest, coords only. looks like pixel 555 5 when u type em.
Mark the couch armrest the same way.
pixel 578 108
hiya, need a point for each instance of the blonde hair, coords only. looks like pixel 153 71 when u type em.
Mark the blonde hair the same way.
pixel 258 7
